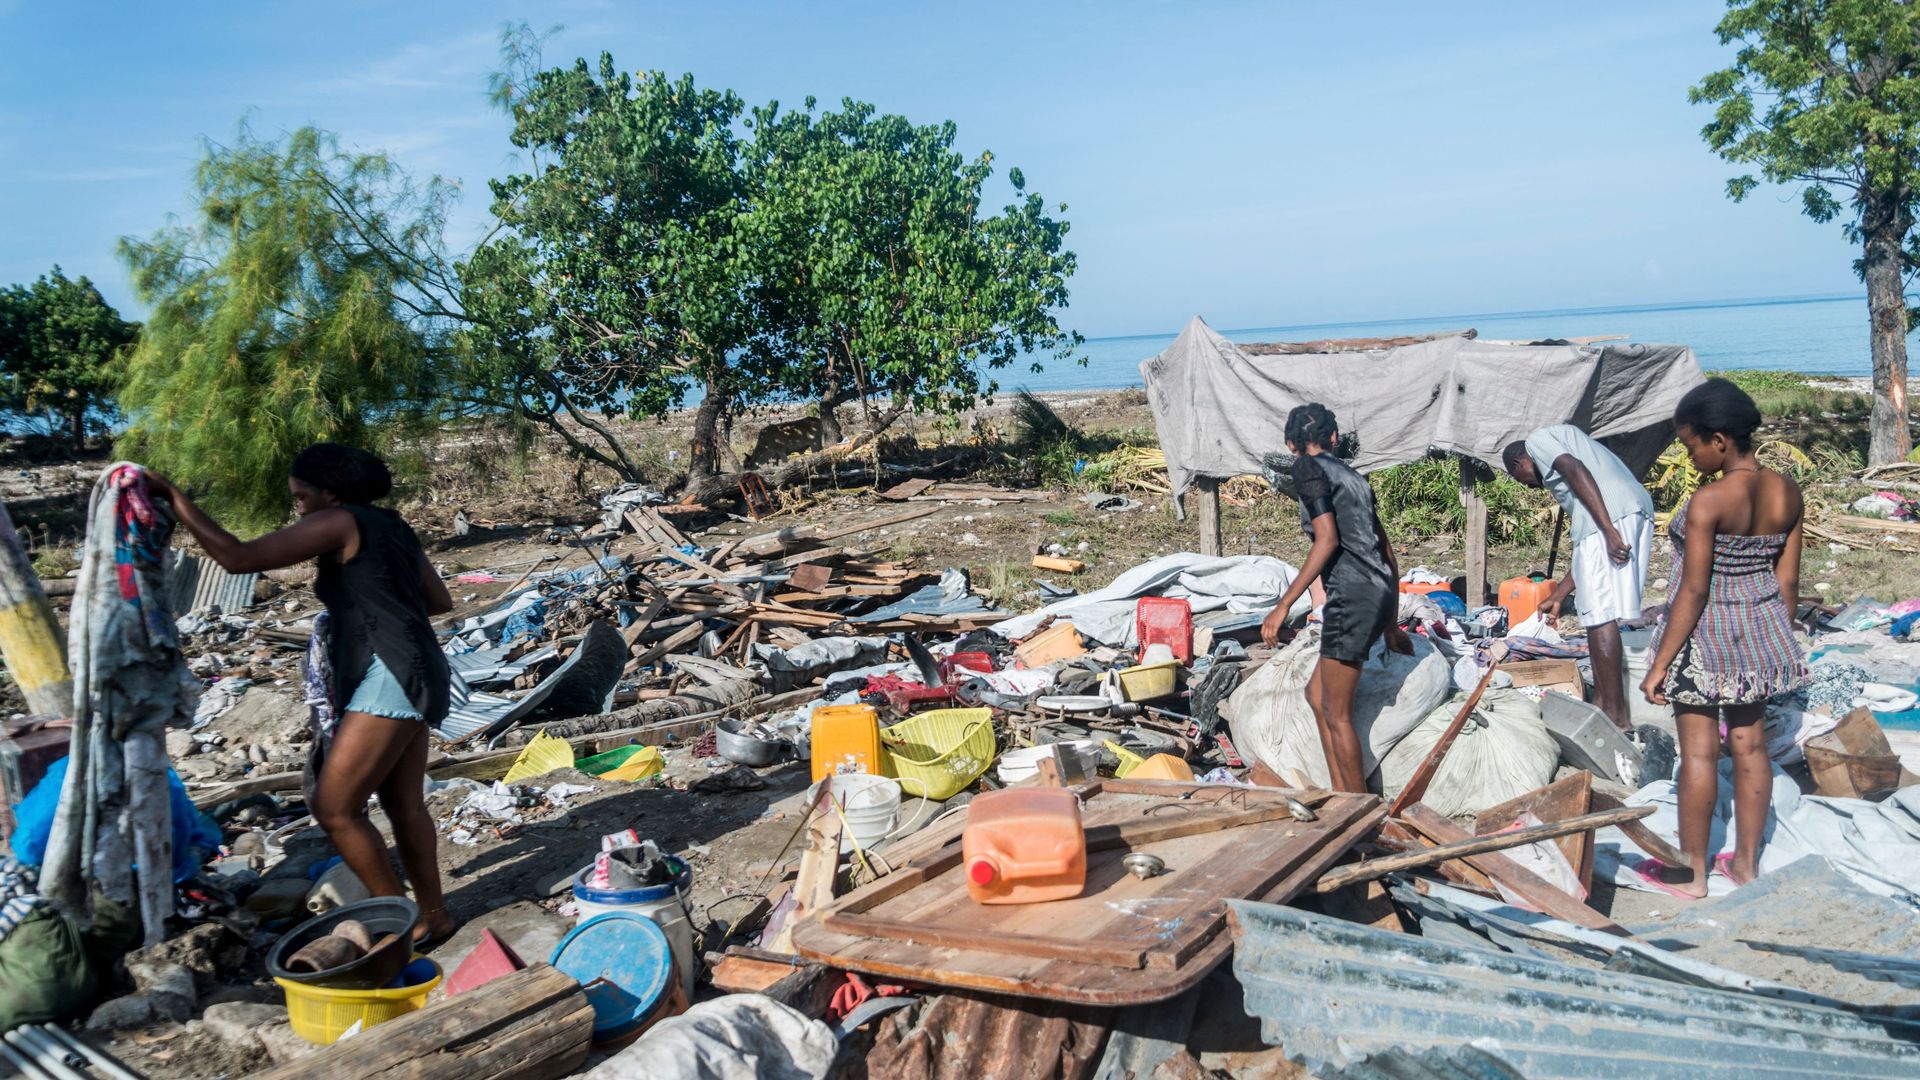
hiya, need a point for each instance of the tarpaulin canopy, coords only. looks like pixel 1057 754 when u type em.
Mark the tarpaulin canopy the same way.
pixel 1220 410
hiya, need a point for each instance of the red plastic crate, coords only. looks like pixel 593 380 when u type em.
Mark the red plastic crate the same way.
pixel 1165 620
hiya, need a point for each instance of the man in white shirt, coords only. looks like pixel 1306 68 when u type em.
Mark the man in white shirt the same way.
pixel 1611 517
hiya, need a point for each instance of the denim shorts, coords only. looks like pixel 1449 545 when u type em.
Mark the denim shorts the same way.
pixel 380 694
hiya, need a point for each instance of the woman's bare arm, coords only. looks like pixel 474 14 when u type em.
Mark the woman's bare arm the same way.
pixel 309 538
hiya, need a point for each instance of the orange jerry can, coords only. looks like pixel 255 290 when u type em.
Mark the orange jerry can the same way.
pixel 846 738
pixel 1522 596
pixel 1024 846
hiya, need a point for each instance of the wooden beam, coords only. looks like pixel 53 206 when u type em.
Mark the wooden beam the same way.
pixel 528 1025
pixel 1207 494
pixel 31 640
pixel 1476 508
pixel 1465 845
pixel 1531 887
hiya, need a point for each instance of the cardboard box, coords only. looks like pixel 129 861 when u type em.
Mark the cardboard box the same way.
pixel 1854 760
pixel 1561 675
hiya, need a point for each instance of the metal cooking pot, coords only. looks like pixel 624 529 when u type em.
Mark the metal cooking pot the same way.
pixel 743 749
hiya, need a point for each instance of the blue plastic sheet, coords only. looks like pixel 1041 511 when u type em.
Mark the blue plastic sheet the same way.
pixel 195 836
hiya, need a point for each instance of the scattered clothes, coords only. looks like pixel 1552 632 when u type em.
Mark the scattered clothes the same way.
pixel 1884 504
pixel 1834 687
pixel 195 836
pixel 316 681
pixel 1243 584
pixel 1883 698
pixel 130 684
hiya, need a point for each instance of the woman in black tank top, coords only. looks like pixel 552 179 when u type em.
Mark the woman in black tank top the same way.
pixel 390 677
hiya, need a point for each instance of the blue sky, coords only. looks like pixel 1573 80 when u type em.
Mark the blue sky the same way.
pixel 1257 163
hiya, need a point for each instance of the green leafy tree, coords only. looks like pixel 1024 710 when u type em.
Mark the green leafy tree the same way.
pixel 614 281
pixel 304 302
pixel 878 273
pixel 1825 94
pixel 60 343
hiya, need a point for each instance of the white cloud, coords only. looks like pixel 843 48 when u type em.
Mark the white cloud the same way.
pixel 423 65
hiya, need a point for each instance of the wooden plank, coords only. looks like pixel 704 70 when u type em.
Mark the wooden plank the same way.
pixel 1476 508
pixel 1058 565
pixel 1644 838
pixel 819 866
pixel 1568 797
pixel 906 489
pixel 669 535
pixel 810 577
pixel 528 1025
pixel 955 937
pixel 683 636
pixel 1423 775
pixel 1118 910
pixel 1207 494
pixel 1458 843
pixel 1530 886
pixel 643 621
pixel 882 523
pixel 709 569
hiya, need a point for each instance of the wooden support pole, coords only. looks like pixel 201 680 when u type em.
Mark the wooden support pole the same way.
pixel 1476 508
pixel 31 642
pixel 1476 845
pixel 1207 494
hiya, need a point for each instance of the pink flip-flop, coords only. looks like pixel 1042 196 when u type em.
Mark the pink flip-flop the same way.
pixel 1720 863
pixel 1649 871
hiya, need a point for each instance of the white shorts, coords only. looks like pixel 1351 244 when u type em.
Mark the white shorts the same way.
pixel 1604 591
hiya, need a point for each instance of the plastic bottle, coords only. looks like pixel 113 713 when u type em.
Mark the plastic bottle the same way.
pixel 1024 846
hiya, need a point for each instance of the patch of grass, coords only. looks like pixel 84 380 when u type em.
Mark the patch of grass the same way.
pixel 1422 499
pixel 51 562
pixel 1061 518
pixel 1006 583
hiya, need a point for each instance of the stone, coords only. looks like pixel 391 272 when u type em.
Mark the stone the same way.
pixel 279 898
pixel 245 994
pixel 283 1045
pixel 197 768
pixel 180 744
pixel 239 1024
pixel 121 1013
pixel 251 842
pixel 168 987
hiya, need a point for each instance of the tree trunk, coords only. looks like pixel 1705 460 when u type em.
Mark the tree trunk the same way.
pixel 829 432
pixel 703 451
pixel 1885 224
pixel 715 487
pixel 79 428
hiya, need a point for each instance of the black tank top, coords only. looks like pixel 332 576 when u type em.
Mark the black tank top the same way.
pixel 378 609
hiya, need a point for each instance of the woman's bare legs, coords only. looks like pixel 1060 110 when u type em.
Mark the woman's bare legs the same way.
pixel 368 754
pixel 1699 788
pixel 1752 788
pixel 403 797
pixel 1330 694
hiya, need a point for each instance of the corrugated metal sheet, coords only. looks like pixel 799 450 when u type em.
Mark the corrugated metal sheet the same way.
pixel 1332 992
pixel 1433 1063
pixel 962 1037
pixel 196 584
pixel 1894 969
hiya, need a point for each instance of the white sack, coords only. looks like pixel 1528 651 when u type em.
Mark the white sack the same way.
pixel 1503 751
pixel 1271 722
pixel 737 1037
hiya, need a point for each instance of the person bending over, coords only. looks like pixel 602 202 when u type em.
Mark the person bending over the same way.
pixel 1726 644
pixel 390 678
pixel 1612 517
pixel 1351 556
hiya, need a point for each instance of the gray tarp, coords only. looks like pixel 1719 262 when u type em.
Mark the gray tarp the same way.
pixel 1219 410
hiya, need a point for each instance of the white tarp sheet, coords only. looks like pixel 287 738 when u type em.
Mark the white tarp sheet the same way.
pixel 1875 844
pixel 1245 584
pixel 1219 410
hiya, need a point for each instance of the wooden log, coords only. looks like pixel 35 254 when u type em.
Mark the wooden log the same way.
pixel 885 522
pixel 819 866
pixel 1422 776
pixel 1207 493
pixel 530 1025
pixel 1462 844
pixel 1476 508
pixel 1531 887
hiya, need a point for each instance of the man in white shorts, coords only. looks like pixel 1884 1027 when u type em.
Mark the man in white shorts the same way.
pixel 1612 533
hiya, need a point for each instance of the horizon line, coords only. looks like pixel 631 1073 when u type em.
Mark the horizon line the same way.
pixel 1622 309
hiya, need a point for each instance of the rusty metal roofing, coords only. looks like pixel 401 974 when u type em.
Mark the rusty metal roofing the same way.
pixel 1332 992
pixel 197 584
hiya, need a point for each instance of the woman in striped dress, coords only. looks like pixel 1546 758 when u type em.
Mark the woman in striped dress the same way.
pixel 1726 644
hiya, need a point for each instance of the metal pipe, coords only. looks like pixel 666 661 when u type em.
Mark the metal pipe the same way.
pixel 23 1065
pixel 101 1060
pixel 51 1063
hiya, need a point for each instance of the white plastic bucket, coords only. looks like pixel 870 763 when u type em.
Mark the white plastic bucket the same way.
pixel 871 805
pixel 663 904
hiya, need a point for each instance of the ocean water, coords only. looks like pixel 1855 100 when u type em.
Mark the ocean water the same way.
pixel 1824 335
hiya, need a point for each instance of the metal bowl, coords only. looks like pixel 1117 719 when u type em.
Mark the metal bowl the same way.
pixel 382 915
pixel 744 749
